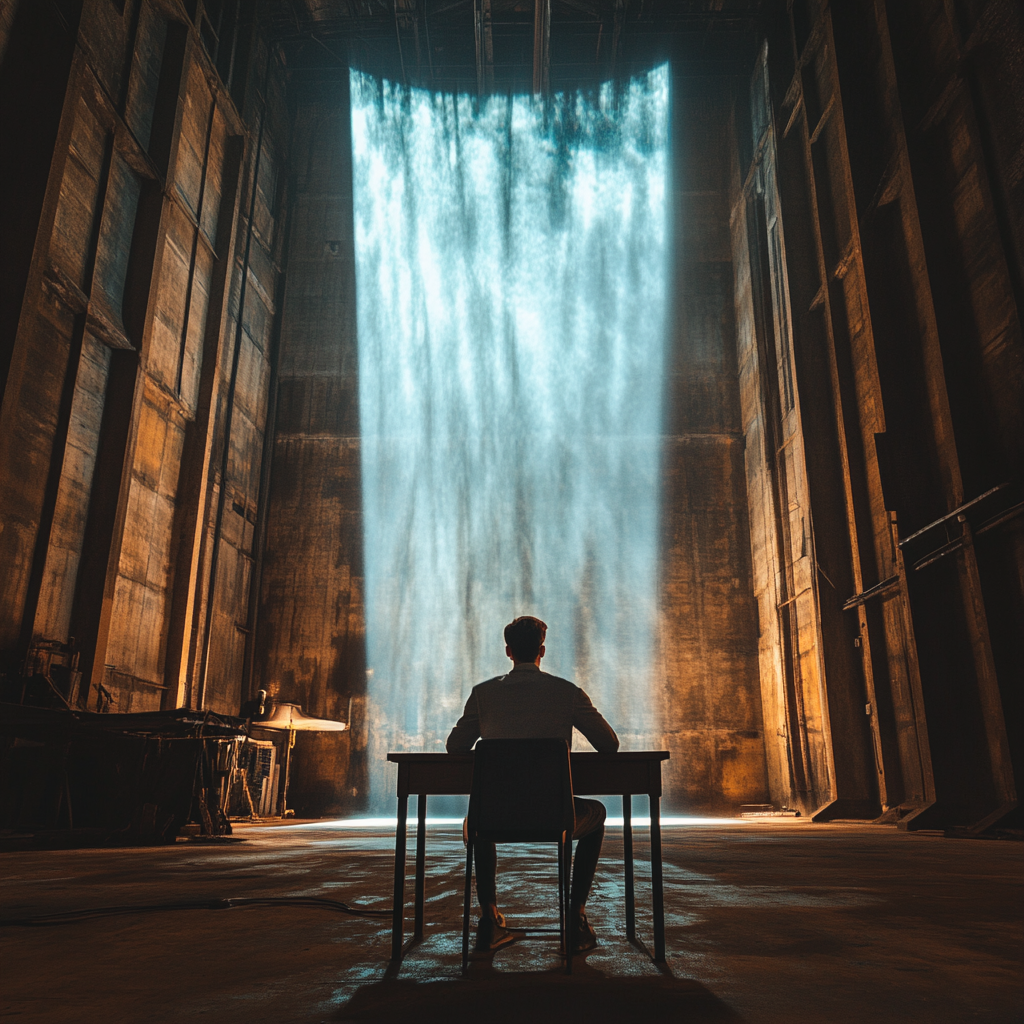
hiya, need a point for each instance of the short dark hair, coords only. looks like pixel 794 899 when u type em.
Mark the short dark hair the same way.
pixel 525 637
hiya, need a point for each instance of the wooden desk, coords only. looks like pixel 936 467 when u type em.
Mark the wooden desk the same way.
pixel 626 774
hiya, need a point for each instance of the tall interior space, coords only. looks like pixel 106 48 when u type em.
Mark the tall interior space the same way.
pixel 335 334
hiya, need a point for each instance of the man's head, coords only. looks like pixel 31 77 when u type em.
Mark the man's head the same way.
pixel 524 639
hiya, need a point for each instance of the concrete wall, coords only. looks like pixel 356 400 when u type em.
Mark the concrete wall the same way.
pixel 311 624
pixel 710 703
pixel 311 619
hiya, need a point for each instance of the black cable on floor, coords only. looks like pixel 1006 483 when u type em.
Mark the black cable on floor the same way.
pixel 313 902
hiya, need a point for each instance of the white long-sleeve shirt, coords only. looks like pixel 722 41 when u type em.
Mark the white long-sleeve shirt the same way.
pixel 529 704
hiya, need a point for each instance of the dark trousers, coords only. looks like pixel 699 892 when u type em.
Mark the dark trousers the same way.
pixel 590 815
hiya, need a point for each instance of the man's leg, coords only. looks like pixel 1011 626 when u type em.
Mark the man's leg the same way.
pixel 590 815
pixel 486 875
pixel 491 933
pixel 589 833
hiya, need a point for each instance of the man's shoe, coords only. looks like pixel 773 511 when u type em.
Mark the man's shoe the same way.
pixel 491 934
pixel 583 937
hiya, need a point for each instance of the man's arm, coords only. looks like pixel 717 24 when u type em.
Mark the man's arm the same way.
pixel 591 723
pixel 467 729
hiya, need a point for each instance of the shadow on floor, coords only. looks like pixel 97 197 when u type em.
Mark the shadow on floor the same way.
pixel 536 998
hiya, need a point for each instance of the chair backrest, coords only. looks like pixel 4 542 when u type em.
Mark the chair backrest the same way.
pixel 522 790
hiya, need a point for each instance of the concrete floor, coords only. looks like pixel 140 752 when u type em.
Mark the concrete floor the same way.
pixel 766 922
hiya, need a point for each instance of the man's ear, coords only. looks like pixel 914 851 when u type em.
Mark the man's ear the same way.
pixel 508 652
pixel 540 653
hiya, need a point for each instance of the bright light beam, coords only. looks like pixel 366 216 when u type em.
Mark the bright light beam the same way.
pixel 511 267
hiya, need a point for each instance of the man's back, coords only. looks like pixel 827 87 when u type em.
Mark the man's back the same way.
pixel 529 704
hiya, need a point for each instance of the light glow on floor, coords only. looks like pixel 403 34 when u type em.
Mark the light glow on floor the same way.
pixel 391 824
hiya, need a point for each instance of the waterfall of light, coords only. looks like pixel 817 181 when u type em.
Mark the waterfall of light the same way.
pixel 511 269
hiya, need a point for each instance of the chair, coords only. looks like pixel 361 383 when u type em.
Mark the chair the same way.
pixel 522 793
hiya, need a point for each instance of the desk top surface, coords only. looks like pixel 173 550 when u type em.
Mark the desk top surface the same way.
pixel 631 771
pixel 587 755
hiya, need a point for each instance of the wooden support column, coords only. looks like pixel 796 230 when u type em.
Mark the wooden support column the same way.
pixel 199 436
pixel 31 379
pixel 988 683
pixel 885 657
pixel 202 636
pixel 105 524
pixel 810 110
pixel 794 698
pixel 39 63
pixel 59 452
pixel 104 531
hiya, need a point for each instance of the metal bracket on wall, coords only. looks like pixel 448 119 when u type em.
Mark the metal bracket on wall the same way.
pixel 959 514
pixel 876 591
pixel 952 515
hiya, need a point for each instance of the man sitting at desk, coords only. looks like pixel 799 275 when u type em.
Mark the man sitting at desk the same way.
pixel 530 704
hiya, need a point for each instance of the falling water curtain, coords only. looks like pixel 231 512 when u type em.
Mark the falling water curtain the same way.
pixel 511 268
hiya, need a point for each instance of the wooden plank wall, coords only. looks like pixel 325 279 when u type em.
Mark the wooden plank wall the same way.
pixel 897 194
pixel 798 748
pixel 136 400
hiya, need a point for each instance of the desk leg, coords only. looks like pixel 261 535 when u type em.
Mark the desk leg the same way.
pixel 421 843
pixel 627 862
pixel 657 891
pixel 398 907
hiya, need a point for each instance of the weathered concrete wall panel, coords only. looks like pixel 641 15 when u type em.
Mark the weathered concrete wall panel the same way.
pixel 710 705
pixel 312 628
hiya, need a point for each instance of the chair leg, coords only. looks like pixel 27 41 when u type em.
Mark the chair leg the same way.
pixel 568 932
pixel 561 892
pixel 466 902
